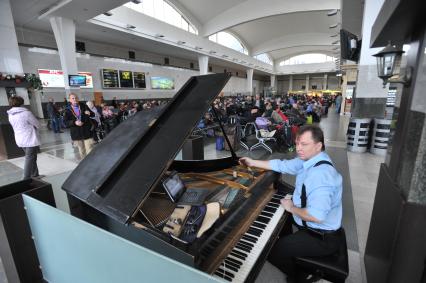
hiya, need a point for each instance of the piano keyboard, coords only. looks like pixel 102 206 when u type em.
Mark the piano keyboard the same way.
pixel 238 264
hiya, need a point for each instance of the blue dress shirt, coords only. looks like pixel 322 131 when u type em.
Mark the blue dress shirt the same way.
pixel 323 189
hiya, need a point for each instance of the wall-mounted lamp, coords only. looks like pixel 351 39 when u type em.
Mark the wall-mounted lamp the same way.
pixel 387 59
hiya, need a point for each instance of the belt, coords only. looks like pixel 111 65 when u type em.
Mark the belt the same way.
pixel 321 231
pixel 325 231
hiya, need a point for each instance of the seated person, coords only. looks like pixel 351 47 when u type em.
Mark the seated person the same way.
pixel 278 117
pixel 268 110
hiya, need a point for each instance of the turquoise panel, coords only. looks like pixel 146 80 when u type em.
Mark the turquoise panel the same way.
pixel 73 251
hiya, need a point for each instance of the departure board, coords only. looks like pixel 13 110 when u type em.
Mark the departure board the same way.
pixel 139 79
pixel 109 78
pixel 126 79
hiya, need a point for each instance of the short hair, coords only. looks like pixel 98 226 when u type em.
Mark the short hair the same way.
pixel 72 93
pixel 317 133
pixel 16 101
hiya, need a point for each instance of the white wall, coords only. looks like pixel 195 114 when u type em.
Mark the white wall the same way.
pixel 32 61
pixel 306 68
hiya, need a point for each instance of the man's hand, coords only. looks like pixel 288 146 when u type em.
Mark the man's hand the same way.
pixel 87 112
pixel 246 161
pixel 79 123
pixel 287 204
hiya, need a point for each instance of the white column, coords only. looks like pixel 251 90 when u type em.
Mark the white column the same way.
pixel 307 83
pixel 324 85
pixel 370 97
pixel 10 58
pixel 64 31
pixel 273 82
pixel 249 81
pixel 203 63
pixel 290 83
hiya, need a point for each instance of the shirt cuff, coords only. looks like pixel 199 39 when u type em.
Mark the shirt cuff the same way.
pixel 317 213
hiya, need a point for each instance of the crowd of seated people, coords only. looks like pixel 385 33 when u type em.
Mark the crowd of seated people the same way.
pixel 113 113
pixel 279 111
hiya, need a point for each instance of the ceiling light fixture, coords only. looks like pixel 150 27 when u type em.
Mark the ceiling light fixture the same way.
pixel 130 26
pixel 336 42
pixel 157 35
pixel 198 48
pixel 136 1
pixel 334 35
pixel 333 25
pixel 332 12
pixel 109 14
pixel 225 56
pixel 212 52
pixel 180 42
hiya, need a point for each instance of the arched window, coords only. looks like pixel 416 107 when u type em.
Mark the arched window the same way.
pixel 309 58
pixel 264 58
pixel 163 11
pixel 226 39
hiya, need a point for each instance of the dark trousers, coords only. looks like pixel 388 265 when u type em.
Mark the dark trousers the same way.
pixel 55 124
pixel 30 165
pixel 300 243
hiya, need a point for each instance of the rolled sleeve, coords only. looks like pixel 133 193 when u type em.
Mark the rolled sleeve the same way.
pixel 292 166
pixel 319 203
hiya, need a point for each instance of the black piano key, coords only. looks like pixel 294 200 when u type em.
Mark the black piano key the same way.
pixel 236 261
pixel 269 209
pixel 238 254
pixel 244 248
pixel 223 276
pixel 250 238
pixel 229 266
pixel 266 214
pixel 247 243
pixel 230 263
pixel 276 201
pixel 220 270
pixel 263 219
pixel 254 232
pixel 274 204
pixel 259 225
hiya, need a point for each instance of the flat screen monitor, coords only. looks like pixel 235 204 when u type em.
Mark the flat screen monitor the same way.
pixel 162 83
pixel 77 80
pixel 350 46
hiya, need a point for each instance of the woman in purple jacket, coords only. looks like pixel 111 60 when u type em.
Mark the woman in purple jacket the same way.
pixel 25 126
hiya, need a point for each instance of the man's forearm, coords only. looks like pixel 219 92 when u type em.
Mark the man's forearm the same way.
pixel 303 214
pixel 263 164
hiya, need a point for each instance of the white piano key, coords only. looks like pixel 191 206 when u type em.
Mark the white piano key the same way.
pixel 256 250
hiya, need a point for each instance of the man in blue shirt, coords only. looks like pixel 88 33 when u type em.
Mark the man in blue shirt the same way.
pixel 316 205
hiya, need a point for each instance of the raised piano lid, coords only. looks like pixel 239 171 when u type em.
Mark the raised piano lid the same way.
pixel 119 173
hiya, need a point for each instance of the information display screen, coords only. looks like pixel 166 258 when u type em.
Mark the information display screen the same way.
pixel 126 79
pixel 139 79
pixel 110 78
pixel 55 78
pixel 77 80
pixel 162 83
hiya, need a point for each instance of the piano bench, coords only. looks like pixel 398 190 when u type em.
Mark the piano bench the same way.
pixel 334 268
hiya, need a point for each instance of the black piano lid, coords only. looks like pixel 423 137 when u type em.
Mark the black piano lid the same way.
pixel 118 174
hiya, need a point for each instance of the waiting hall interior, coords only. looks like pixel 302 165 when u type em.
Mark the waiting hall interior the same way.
pixel 139 141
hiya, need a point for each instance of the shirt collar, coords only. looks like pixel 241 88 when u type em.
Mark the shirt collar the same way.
pixel 311 162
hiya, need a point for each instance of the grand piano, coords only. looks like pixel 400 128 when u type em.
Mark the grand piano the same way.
pixel 118 187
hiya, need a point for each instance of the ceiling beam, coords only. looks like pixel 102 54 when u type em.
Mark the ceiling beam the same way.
pixel 251 10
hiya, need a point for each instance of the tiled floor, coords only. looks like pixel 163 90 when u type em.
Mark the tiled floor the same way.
pixel 59 158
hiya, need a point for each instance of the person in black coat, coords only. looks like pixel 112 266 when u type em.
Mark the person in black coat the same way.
pixel 77 118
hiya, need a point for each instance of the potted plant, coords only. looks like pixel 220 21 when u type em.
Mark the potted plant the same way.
pixel 34 81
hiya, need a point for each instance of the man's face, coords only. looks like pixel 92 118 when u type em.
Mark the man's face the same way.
pixel 73 99
pixel 306 147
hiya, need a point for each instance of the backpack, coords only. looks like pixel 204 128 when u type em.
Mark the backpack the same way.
pixel 262 123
